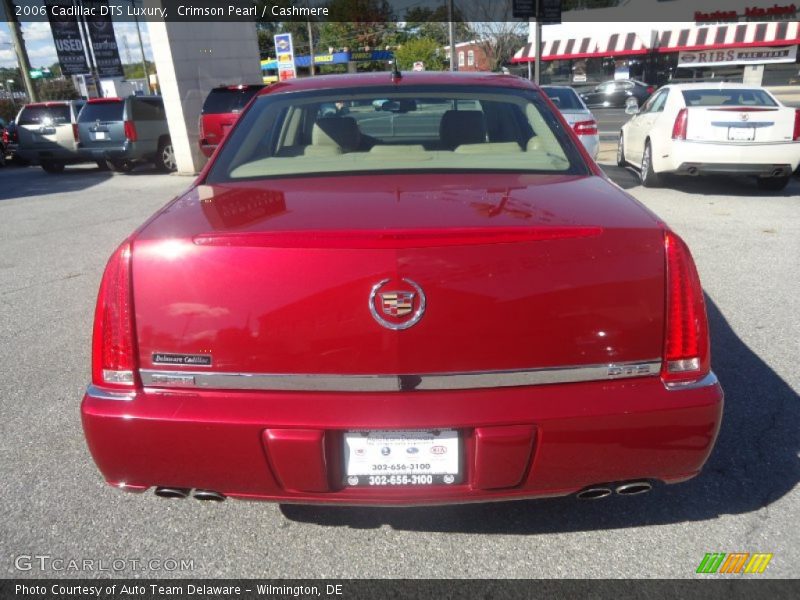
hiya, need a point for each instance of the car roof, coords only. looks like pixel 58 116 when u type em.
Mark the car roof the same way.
pixel 384 78
pixel 714 85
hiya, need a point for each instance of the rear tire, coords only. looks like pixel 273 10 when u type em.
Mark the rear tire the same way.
pixel 102 165
pixel 772 184
pixel 121 166
pixel 649 177
pixel 621 162
pixel 165 159
pixel 52 166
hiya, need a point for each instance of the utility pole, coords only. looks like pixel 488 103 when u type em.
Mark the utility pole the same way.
pixel 538 56
pixel 452 33
pixel 313 69
pixel 90 53
pixel 141 47
pixel 19 48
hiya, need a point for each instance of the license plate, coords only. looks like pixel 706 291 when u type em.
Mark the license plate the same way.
pixel 741 134
pixel 99 135
pixel 401 458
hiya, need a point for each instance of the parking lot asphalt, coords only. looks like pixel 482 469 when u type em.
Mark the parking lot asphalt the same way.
pixel 56 233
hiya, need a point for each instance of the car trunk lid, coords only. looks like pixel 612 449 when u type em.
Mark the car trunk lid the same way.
pixel 517 272
pixel 740 124
pixel 101 123
pixel 45 127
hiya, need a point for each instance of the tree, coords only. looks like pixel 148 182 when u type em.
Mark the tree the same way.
pixel 56 89
pixel 497 33
pixel 135 70
pixel 425 22
pixel 359 24
pixel 426 50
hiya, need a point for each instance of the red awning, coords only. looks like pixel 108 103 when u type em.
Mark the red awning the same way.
pixel 711 37
pixel 732 35
pixel 617 44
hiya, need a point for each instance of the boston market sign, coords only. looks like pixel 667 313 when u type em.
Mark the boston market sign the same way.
pixel 751 13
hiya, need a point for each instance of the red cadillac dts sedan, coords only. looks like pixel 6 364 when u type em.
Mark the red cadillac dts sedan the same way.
pixel 401 289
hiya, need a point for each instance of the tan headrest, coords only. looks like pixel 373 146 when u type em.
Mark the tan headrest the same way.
pixel 341 132
pixel 462 127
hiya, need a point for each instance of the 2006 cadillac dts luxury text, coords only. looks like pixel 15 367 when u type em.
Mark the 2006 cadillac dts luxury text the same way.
pixel 401 289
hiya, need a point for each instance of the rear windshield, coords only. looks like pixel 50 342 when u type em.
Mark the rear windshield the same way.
pixel 101 111
pixel 729 97
pixel 431 128
pixel 44 115
pixel 226 100
pixel 564 98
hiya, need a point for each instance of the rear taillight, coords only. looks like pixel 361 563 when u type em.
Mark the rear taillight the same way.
pixel 679 128
pixel 585 127
pixel 796 132
pixel 75 132
pixel 686 347
pixel 650 89
pixel 130 131
pixel 113 361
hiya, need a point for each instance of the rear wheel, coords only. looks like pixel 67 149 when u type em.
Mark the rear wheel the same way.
pixel 165 160
pixel 772 184
pixel 52 166
pixel 122 166
pixel 102 165
pixel 621 162
pixel 649 177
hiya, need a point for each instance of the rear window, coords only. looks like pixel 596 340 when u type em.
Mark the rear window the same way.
pixel 101 111
pixel 224 100
pixel 564 98
pixel 422 129
pixel 44 115
pixel 727 97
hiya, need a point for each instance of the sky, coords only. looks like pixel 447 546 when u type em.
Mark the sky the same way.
pixel 42 50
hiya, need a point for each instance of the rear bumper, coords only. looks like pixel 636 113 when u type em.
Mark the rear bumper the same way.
pixel 53 154
pixel 523 442
pixel 758 170
pixel 126 151
pixel 735 159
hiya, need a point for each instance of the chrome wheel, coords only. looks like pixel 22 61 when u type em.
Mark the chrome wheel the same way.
pixel 645 162
pixel 649 177
pixel 620 152
pixel 168 162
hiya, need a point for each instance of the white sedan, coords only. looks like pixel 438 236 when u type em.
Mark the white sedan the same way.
pixel 712 128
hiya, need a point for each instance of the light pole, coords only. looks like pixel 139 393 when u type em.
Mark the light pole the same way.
pixel 451 32
pixel 141 47
pixel 19 48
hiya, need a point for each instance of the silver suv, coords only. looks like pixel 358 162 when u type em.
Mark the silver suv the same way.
pixel 121 132
pixel 48 135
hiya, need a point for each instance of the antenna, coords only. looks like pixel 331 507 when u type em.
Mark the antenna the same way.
pixel 396 74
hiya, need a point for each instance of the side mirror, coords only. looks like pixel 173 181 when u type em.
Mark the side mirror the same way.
pixel 631 106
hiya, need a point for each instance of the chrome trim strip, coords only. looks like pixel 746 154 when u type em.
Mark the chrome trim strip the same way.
pixel 706 381
pixel 743 124
pixel 103 394
pixel 396 383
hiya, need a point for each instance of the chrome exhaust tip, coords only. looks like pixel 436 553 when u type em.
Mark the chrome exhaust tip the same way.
pixel 593 493
pixel 170 492
pixel 693 171
pixel 208 495
pixel 777 172
pixel 633 488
